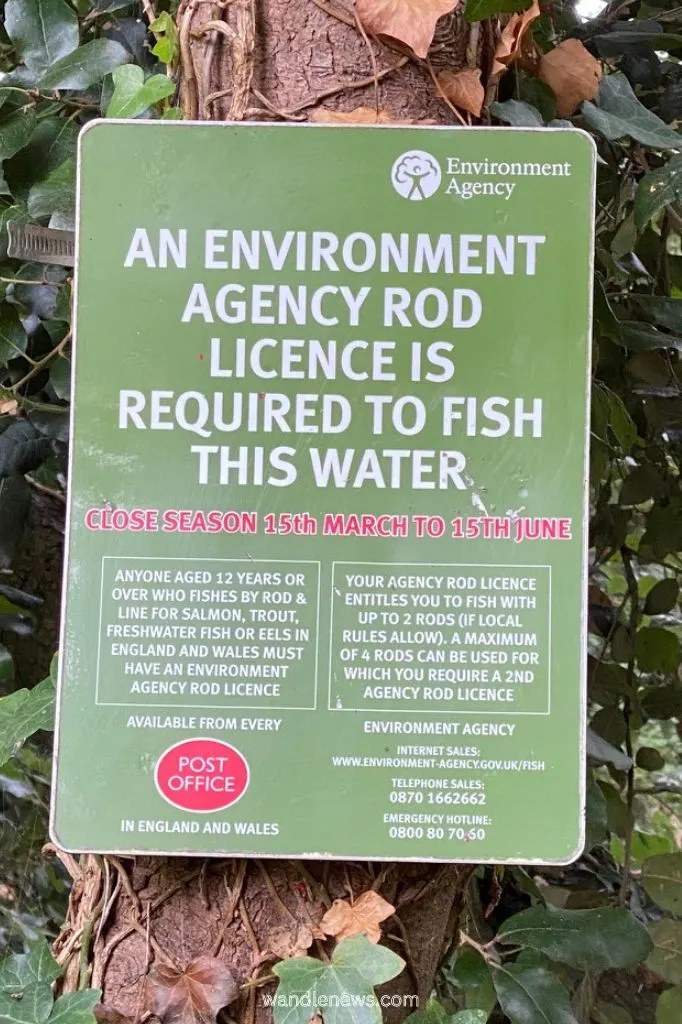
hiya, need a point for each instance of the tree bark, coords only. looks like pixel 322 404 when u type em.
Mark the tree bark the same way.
pixel 289 59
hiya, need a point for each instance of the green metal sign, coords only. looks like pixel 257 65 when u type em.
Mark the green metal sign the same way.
pixel 326 553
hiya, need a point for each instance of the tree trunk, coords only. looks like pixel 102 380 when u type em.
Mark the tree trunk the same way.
pixel 291 59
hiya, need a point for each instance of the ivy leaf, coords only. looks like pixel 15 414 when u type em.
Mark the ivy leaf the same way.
pixel 641 338
pixel 85 66
pixel 23 448
pixel 657 650
pixel 666 312
pixel 357 965
pixel 192 996
pixel 21 714
pixel 669 1007
pixel 13 338
pixel 517 113
pixel 16 131
pixel 60 378
pixel 599 940
pixel 55 194
pixel 22 969
pixel 166 47
pixel 658 189
pixel 662 881
pixel 75 1007
pixel 618 114
pixel 132 95
pixel 432 1014
pixel 30 1005
pixel 413 22
pixel 662 597
pixel 43 31
pixel 534 996
pixel 666 957
pixel 435 1014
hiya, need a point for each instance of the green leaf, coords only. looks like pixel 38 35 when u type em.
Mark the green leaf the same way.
pixel 610 1013
pixel 433 1014
pixel 23 448
pixel 470 972
pixel 22 713
pixel 377 964
pixel 76 1007
pixel 13 338
pixel 85 66
pixel 60 377
pixel 658 189
pixel 357 965
pixel 469 1017
pixel 596 824
pixel 598 940
pixel 16 131
pixel 662 702
pixel 650 759
pixel 666 958
pixel 479 10
pixel 31 1005
pixel 43 31
pixel 643 483
pixel 610 724
pixel 666 312
pixel 641 337
pixel 56 194
pixel 669 1007
pixel 166 47
pixel 662 881
pixel 533 996
pixel 602 751
pixel 23 969
pixel 657 650
pixel 132 95
pixel 517 113
pixel 662 597
pixel 618 114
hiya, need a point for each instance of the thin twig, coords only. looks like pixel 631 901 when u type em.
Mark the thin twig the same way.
pixel 273 892
pixel 633 592
pixel 41 363
pixel 360 83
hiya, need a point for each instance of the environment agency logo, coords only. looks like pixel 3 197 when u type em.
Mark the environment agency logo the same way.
pixel 416 175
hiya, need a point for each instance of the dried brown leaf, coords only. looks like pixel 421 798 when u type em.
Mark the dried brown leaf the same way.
pixel 362 917
pixel 285 943
pixel 510 42
pixel 360 115
pixel 7 893
pixel 8 406
pixel 464 89
pixel 413 22
pixel 192 996
pixel 572 73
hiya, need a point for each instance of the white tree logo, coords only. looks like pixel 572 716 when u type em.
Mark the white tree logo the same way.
pixel 416 175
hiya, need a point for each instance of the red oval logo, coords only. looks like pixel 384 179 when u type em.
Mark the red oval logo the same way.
pixel 201 775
